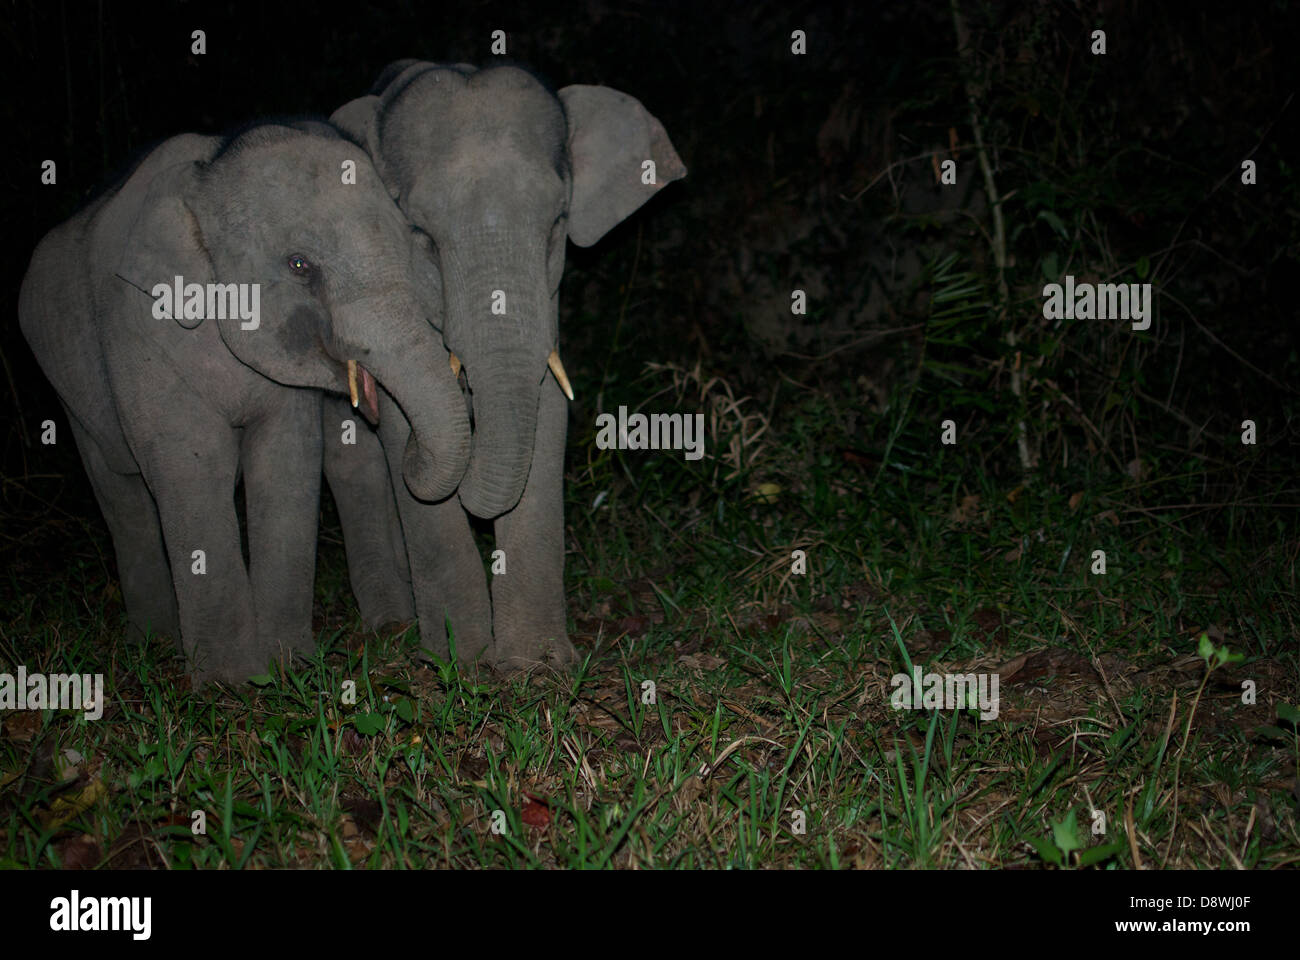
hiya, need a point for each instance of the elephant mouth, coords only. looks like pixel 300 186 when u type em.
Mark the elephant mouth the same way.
pixel 363 392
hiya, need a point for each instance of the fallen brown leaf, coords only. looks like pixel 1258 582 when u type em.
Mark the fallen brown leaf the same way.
pixel 79 853
pixel 535 812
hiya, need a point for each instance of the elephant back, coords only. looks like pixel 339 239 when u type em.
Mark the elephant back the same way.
pixel 61 304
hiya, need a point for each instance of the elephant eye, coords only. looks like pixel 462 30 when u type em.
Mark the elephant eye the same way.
pixel 299 264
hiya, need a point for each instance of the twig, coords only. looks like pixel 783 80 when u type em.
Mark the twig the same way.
pixel 999 236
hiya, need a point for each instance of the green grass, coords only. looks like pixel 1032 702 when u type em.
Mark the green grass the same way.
pixel 730 714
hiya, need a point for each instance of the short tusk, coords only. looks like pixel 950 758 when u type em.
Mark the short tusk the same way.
pixel 455 364
pixel 352 382
pixel 557 368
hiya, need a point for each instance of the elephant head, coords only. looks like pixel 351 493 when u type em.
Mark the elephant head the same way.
pixel 498 171
pixel 303 223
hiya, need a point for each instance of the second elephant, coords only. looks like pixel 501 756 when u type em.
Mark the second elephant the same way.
pixel 498 172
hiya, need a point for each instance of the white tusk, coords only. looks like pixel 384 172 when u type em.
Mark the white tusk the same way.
pixel 455 364
pixel 557 368
pixel 352 382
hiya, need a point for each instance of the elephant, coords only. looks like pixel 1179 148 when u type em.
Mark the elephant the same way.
pixel 496 171
pixel 171 392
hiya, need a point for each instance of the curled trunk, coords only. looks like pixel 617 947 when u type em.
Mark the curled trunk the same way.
pixel 505 423
pixel 414 369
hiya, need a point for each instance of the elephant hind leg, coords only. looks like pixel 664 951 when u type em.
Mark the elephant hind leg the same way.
pixel 132 518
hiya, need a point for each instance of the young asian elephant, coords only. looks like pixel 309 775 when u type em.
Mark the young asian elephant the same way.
pixel 497 171
pixel 292 266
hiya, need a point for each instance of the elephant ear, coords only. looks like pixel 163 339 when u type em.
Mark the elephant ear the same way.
pixel 610 137
pixel 359 121
pixel 164 240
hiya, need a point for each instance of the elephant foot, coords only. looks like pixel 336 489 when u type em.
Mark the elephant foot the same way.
pixel 201 678
pixel 229 673
pixel 236 667
pixel 471 645
pixel 144 632
pixel 472 651
pixel 385 606
pixel 302 646
pixel 554 653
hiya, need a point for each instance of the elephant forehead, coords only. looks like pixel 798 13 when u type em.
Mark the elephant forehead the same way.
pixel 505 78
pixel 452 117
pixel 465 196
pixel 476 170
pixel 299 165
pixel 434 81
pixel 359 215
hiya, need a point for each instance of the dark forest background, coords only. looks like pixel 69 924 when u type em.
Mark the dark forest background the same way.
pixel 814 172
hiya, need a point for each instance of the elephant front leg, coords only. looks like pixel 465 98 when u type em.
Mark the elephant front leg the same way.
pixel 447 575
pixel 357 474
pixel 189 456
pixel 190 466
pixel 528 610
pixel 281 456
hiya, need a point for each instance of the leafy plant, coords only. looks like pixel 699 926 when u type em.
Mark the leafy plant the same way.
pixel 1067 838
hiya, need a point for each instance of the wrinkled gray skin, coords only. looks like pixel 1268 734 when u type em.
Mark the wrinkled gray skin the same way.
pixel 357 474
pixel 498 171
pixel 167 414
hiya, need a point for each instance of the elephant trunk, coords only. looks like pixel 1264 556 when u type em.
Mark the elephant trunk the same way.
pixel 506 391
pixel 414 369
pixel 438 449
pixel 501 324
